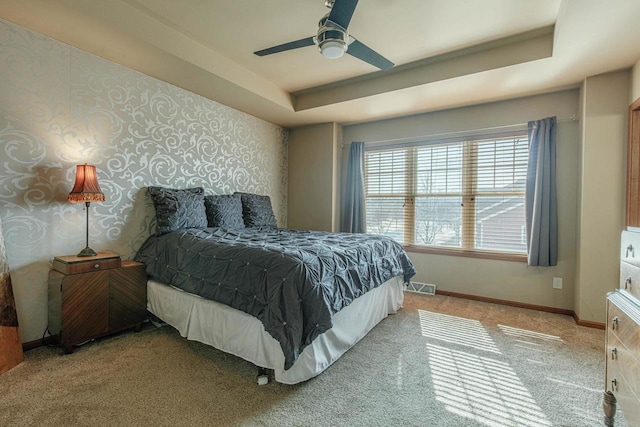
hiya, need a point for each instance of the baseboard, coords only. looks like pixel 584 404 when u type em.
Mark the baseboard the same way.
pixel 555 310
pixel 26 346
pixel 588 323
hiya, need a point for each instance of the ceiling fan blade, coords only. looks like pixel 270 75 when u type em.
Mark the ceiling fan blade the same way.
pixel 342 11
pixel 368 55
pixel 286 46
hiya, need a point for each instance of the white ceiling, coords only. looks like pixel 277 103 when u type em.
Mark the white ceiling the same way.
pixel 447 53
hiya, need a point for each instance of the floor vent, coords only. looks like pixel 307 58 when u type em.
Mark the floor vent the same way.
pixel 422 288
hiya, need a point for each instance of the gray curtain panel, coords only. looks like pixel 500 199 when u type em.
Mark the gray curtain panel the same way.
pixel 541 204
pixel 353 216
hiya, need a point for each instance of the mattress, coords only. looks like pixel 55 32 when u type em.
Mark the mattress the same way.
pixel 238 333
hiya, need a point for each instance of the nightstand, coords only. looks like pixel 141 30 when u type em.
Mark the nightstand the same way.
pixel 90 297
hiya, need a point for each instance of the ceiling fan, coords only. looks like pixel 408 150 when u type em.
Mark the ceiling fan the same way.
pixel 332 38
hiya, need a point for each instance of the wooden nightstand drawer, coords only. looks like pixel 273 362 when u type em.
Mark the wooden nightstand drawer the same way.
pixel 75 265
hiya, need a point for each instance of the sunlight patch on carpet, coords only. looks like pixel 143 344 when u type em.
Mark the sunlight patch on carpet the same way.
pixel 456 330
pixel 572 384
pixel 526 334
pixel 482 389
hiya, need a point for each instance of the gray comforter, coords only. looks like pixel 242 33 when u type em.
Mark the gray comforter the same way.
pixel 293 281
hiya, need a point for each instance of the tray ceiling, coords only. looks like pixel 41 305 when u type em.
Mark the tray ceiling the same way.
pixel 447 54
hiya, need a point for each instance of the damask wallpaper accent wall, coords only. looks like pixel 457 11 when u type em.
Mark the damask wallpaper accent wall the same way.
pixel 60 106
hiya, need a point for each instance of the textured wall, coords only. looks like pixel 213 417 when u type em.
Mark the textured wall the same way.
pixel 60 106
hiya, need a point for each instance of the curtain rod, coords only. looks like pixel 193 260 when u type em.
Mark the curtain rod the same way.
pixel 571 118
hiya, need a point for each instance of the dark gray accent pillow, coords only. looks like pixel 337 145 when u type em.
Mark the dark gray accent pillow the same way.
pixel 257 210
pixel 178 209
pixel 224 211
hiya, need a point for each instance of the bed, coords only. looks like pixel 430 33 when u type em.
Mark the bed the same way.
pixel 290 301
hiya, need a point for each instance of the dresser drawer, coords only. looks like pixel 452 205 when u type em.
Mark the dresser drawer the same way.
pixel 630 278
pixel 620 318
pixel 621 360
pixel 625 396
pixel 630 247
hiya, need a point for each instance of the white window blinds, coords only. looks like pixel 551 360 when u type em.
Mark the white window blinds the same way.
pixel 464 194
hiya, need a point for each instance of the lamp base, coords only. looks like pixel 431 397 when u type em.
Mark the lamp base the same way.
pixel 87 252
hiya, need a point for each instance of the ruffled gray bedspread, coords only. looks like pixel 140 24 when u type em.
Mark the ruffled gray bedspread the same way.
pixel 293 281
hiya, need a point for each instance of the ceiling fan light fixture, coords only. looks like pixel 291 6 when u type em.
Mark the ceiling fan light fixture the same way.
pixel 331 39
pixel 333 49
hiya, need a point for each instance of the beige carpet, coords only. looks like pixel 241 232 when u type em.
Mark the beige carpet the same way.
pixel 440 361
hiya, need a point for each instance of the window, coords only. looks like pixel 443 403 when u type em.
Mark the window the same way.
pixel 462 195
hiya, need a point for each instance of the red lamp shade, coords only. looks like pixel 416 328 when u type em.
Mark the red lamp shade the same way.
pixel 86 188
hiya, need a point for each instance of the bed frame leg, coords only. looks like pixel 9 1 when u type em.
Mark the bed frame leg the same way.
pixel 263 376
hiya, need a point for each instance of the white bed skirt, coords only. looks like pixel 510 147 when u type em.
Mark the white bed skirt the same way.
pixel 243 335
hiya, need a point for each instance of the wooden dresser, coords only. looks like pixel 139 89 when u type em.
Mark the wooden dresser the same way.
pixel 623 337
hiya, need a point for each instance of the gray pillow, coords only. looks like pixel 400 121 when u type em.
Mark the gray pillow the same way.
pixel 224 211
pixel 178 209
pixel 257 210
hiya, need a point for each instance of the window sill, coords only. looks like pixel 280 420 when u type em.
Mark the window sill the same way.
pixel 466 253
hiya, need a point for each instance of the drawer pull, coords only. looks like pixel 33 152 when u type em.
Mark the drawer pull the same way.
pixel 627 283
pixel 630 249
pixel 614 322
pixel 614 353
pixel 96 266
pixel 614 385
